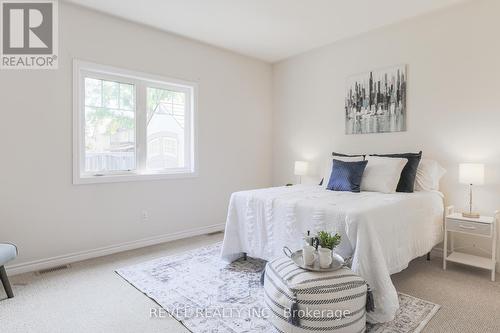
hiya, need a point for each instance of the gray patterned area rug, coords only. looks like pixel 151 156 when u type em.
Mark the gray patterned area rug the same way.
pixel 208 295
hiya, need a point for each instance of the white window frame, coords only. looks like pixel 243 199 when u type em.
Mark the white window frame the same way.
pixel 83 69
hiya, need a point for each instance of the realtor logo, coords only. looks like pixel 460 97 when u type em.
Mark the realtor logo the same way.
pixel 29 34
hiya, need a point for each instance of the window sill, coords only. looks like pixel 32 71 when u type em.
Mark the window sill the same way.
pixel 132 177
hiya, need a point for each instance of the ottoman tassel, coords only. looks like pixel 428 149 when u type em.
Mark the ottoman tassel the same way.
pixel 370 302
pixel 294 313
pixel 262 276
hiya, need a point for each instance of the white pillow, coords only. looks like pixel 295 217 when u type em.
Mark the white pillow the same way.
pixel 382 174
pixel 429 172
pixel 327 171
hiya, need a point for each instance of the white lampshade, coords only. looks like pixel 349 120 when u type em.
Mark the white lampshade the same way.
pixel 471 173
pixel 301 168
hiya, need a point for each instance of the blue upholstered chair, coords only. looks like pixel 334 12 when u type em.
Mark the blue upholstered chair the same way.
pixel 8 252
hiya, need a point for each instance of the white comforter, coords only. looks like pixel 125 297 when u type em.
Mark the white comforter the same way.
pixel 383 232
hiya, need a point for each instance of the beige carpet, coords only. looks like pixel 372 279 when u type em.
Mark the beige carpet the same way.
pixel 90 297
pixel 469 301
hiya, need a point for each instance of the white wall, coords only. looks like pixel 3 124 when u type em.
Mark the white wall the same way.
pixel 453 60
pixel 46 216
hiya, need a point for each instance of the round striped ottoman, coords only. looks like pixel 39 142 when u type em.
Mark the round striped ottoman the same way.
pixel 302 301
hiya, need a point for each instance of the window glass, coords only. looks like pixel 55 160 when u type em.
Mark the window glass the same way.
pixel 165 123
pixel 109 129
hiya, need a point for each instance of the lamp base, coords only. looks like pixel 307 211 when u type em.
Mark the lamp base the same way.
pixel 471 215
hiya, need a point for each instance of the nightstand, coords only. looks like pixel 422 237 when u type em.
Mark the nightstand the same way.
pixel 484 226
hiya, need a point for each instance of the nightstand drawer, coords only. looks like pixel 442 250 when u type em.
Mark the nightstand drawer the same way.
pixel 483 229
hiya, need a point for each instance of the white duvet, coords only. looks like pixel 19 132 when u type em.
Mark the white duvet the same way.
pixel 382 232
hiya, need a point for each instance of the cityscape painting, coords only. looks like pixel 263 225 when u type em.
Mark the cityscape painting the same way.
pixel 376 101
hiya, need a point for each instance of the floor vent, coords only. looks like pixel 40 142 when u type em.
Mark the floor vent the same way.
pixel 52 269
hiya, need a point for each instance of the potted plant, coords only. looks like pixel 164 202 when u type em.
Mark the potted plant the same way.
pixel 328 242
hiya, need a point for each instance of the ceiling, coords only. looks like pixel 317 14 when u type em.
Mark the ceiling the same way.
pixel 270 30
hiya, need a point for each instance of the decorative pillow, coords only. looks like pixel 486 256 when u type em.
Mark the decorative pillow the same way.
pixel 407 180
pixel 429 173
pixel 334 154
pixel 328 165
pixel 382 174
pixel 346 176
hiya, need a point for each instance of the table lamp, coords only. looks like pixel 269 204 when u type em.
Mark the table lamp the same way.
pixel 300 169
pixel 471 174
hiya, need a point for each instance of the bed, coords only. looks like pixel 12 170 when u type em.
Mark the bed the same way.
pixel 381 232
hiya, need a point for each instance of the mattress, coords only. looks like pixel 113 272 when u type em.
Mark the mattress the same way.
pixel 381 232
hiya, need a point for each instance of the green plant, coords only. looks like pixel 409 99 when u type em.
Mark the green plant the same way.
pixel 327 240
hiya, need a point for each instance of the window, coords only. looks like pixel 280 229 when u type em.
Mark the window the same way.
pixel 131 126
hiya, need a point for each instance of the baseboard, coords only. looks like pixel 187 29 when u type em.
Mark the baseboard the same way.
pixel 103 251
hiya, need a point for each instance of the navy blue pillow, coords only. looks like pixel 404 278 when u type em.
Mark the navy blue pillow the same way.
pixel 346 176
pixel 341 155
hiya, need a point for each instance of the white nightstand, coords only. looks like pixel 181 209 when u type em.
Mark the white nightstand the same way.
pixel 484 226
